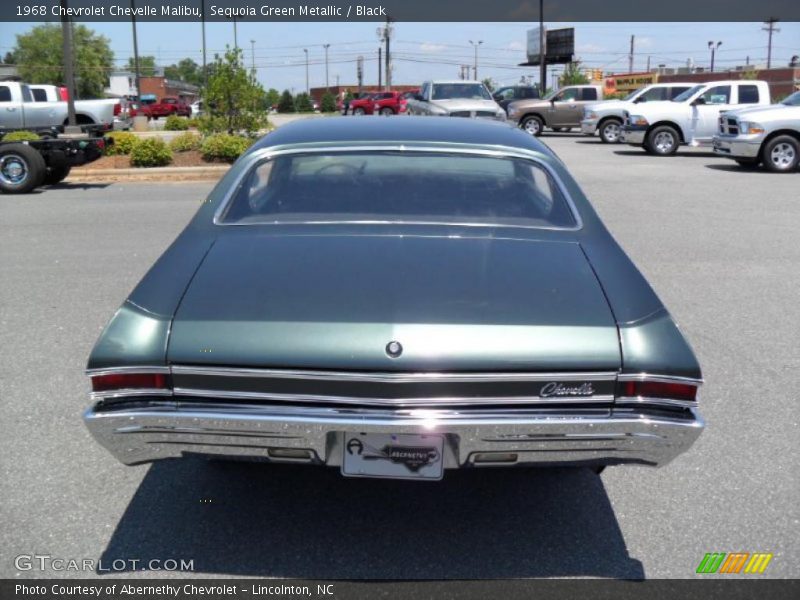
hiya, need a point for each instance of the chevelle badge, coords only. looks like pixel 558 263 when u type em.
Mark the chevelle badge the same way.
pixel 559 389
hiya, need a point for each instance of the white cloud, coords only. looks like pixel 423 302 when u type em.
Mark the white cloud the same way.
pixel 515 46
pixel 589 48
pixel 644 42
pixel 431 47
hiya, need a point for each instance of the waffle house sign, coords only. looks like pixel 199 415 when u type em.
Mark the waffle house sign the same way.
pixel 629 82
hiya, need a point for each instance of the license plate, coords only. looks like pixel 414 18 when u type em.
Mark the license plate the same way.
pixel 393 456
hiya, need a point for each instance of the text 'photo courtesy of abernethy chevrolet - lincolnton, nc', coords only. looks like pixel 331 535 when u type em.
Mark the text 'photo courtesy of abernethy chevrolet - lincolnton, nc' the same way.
pixel 446 297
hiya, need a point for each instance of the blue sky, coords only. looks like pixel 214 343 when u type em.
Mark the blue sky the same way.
pixel 425 50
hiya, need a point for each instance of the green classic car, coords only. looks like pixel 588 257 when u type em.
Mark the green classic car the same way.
pixel 395 298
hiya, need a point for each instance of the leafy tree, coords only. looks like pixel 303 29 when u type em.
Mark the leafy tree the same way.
pixel 303 103
pixel 286 103
pixel 232 94
pixel 490 84
pixel 9 59
pixel 147 65
pixel 573 75
pixel 40 60
pixel 328 103
pixel 185 70
pixel 272 97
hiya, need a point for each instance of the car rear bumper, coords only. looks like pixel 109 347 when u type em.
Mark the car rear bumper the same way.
pixel 736 147
pixel 155 430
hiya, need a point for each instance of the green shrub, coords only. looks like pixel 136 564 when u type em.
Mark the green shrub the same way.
pixel 150 152
pixel 123 143
pixel 176 123
pixel 328 103
pixel 208 124
pixel 286 103
pixel 21 136
pixel 185 142
pixel 224 147
pixel 193 122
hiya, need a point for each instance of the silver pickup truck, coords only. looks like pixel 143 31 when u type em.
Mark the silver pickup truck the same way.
pixel 455 98
pixel 20 110
pixel 764 134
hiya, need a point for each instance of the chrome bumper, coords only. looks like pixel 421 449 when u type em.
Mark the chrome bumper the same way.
pixel 589 126
pixel 165 429
pixel 632 136
pixel 737 147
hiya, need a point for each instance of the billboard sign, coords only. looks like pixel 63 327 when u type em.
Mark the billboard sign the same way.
pixel 559 46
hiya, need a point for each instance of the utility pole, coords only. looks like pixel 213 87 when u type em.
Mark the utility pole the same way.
pixel 630 56
pixel 205 68
pixel 542 59
pixel 69 74
pixel 379 67
pixel 307 88
pixel 770 27
pixel 253 58
pixel 713 47
pixel 235 37
pixel 475 64
pixel 327 86
pixel 360 73
pixel 648 63
pixel 136 71
pixel 385 35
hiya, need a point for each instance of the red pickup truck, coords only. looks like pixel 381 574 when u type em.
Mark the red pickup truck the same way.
pixel 167 106
pixel 390 103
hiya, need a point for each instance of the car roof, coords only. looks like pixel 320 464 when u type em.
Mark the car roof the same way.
pixel 401 130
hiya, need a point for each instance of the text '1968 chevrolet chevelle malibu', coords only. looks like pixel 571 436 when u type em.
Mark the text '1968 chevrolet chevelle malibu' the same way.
pixel 395 298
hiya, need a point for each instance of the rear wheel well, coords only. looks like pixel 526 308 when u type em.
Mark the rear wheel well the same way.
pixel 675 126
pixel 81 119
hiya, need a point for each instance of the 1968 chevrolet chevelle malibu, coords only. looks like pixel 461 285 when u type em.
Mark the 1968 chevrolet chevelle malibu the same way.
pixel 395 298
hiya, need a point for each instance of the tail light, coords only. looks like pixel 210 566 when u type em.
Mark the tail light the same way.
pixel 117 109
pixel 63 93
pixel 659 389
pixel 130 381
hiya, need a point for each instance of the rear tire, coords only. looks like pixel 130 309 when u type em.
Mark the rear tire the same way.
pixel 662 141
pixel 781 154
pixel 22 168
pixel 56 174
pixel 359 112
pixel 386 111
pixel 533 125
pixel 610 130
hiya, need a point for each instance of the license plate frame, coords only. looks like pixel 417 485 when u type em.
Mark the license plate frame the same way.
pixel 393 456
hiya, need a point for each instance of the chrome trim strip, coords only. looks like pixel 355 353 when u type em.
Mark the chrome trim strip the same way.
pixel 390 377
pixel 129 392
pixel 659 378
pixel 268 153
pixel 643 401
pixel 129 370
pixel 367 401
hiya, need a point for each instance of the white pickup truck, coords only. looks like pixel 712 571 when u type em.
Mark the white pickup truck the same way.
pixel 690 118
pixel 20 110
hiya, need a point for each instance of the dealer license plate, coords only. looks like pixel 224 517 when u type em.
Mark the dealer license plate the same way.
pixel 393 456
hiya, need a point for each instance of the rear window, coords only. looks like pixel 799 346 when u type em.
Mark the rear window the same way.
pixel 5 93
pixel 413 187
pixel 748 94
pixel 39 95
pixel 589 94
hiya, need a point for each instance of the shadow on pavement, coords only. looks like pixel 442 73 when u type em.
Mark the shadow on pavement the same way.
pixel 67 185
pixel 678 154
pixel 734 168
pixel 310 522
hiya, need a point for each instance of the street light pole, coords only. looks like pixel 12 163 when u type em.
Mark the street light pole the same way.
pixel 235 37
pixel 542 61
pixel 307 88
pixel 136 71
pixel 205 68
pixel 713 47
pixel 327 86
pixel 475 64
pixel 69 74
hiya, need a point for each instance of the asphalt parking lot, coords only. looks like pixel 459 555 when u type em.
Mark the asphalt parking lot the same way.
pixel 719 244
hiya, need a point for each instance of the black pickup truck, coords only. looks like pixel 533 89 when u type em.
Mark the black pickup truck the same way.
pixel 25 165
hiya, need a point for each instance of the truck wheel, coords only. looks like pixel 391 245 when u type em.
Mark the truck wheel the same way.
pixel 56 174
pixel 358 111
pixel 386 111
pixel 22 168
pixel 610 130
pixel 662 141
pixel 533 125
pixel 781 154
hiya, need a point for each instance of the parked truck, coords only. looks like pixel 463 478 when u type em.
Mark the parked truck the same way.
pixel 561 110
pixel 691 118
pixel 20 110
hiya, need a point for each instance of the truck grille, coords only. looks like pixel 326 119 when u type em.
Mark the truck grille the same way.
pixel 728 126
pixel 473 113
